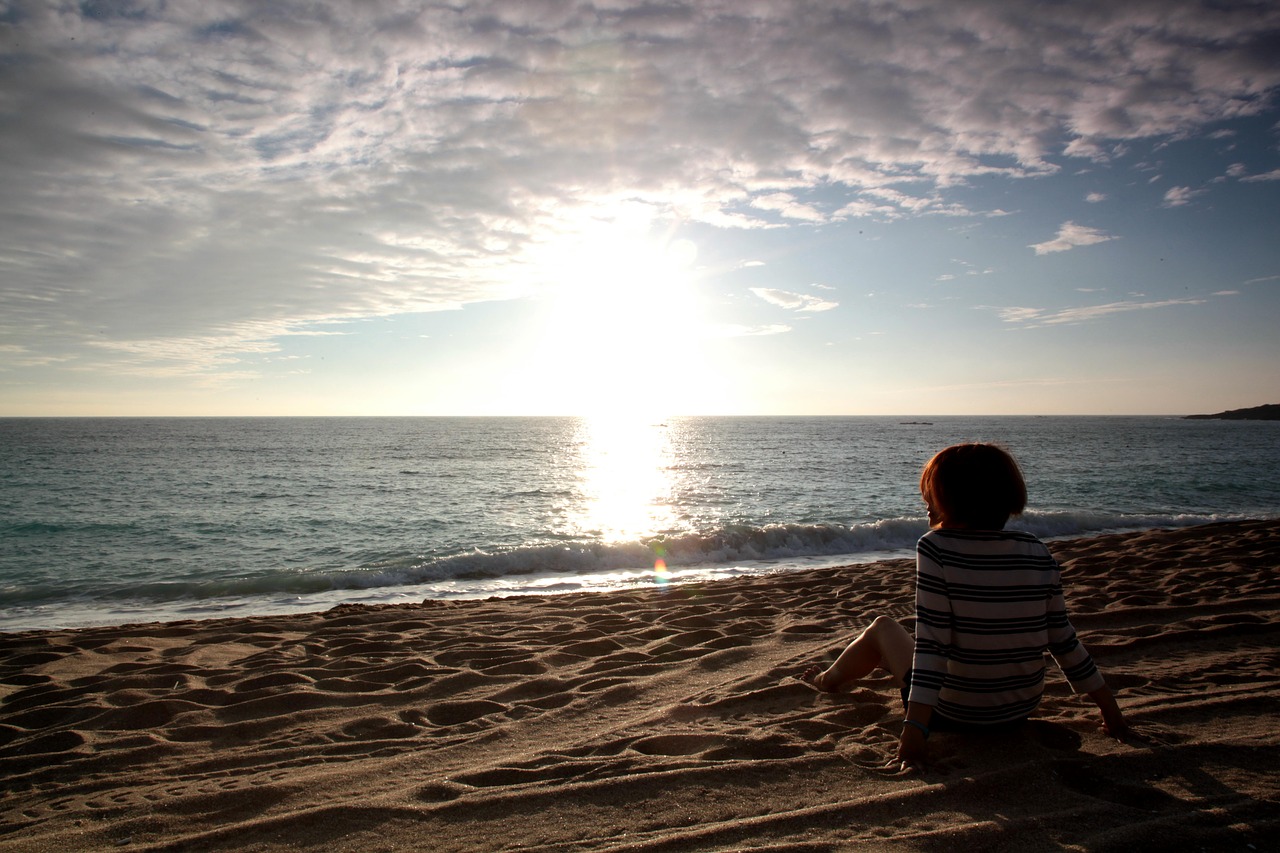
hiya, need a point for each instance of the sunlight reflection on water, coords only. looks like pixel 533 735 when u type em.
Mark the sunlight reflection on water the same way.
pixel 626 465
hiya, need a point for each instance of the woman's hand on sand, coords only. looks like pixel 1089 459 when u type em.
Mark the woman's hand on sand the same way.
pixel 1115 724
pixel 1113 721
pixel 1143 734
pixel 1119 729
pixel 912 753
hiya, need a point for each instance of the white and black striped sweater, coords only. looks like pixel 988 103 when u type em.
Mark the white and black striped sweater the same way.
pixel 988 606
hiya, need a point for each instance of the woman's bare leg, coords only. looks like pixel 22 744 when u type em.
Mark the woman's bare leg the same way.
pixel 884 644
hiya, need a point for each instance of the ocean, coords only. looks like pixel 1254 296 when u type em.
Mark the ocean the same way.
pixel 119 520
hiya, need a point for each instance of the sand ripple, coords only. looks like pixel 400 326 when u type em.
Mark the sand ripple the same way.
pixel 648 720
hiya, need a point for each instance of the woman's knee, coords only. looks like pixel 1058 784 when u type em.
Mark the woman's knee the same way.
pixel 885 623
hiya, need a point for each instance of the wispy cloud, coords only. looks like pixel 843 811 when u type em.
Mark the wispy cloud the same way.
pixel 731 330
pixel 1070 236
pixel 1031 317
pixel 1178 196
pixel 1046 382
pixel 194 172
pixel 788 206
pixel 794 301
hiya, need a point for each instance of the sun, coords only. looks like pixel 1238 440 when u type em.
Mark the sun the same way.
pixel 624 322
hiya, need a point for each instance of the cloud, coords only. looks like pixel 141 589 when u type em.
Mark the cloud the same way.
pixel 200 175
pixel 1273 175
pixel 786 205
pixel 1047 382
pixel 890 204
pixel 731 330
pixel 1094 198
pixel 1179 196
pixel 794 301
pixel 866 208
pixel 1033 317
pixel 1070 235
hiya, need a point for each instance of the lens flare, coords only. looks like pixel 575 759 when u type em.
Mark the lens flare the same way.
pixel 661 576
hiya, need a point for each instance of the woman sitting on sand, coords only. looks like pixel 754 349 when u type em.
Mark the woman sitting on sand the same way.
pixel 988 605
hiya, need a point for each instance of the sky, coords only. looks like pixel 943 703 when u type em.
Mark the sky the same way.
pixel 548 207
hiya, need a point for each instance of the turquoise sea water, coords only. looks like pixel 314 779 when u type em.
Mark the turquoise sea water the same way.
pixel 107 521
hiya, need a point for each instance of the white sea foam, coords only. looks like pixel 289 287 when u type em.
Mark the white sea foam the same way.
pixel 110 521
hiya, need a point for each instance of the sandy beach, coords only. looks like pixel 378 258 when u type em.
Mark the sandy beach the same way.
pixel 660 719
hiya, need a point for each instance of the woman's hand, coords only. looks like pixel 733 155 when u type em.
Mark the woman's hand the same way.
pixel 1117 726
pixel 912 753
pixel 1113 721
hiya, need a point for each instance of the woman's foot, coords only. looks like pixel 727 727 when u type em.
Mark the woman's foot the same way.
pixel 817 677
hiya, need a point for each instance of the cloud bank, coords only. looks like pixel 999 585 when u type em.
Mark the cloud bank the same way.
pixel 186 182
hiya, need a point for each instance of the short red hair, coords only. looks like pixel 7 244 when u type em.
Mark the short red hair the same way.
pixel 978 486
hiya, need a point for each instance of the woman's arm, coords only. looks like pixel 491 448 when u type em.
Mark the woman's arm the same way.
pixel 931 648
pixel 1113 721
pixel 933 628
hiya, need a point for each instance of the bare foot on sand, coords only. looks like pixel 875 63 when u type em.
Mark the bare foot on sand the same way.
pixel 816 676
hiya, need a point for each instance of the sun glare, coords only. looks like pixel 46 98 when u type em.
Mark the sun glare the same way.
pixel 625 477
pixel 624 323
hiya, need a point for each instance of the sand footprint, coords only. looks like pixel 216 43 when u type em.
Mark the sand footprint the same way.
pixel 456 712
pixel 481 658
pixel 746 697
pixel 155 714
pixel 377 728
pixel 536 688
pixel 407 675
pixel 677 744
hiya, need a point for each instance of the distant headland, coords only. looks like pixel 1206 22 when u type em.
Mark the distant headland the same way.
pixel 1269 412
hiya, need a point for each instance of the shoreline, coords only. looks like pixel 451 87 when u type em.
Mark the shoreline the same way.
pixel 73 615
pixel 647 719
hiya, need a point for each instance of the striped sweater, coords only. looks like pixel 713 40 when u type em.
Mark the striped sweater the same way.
pixel 988 606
